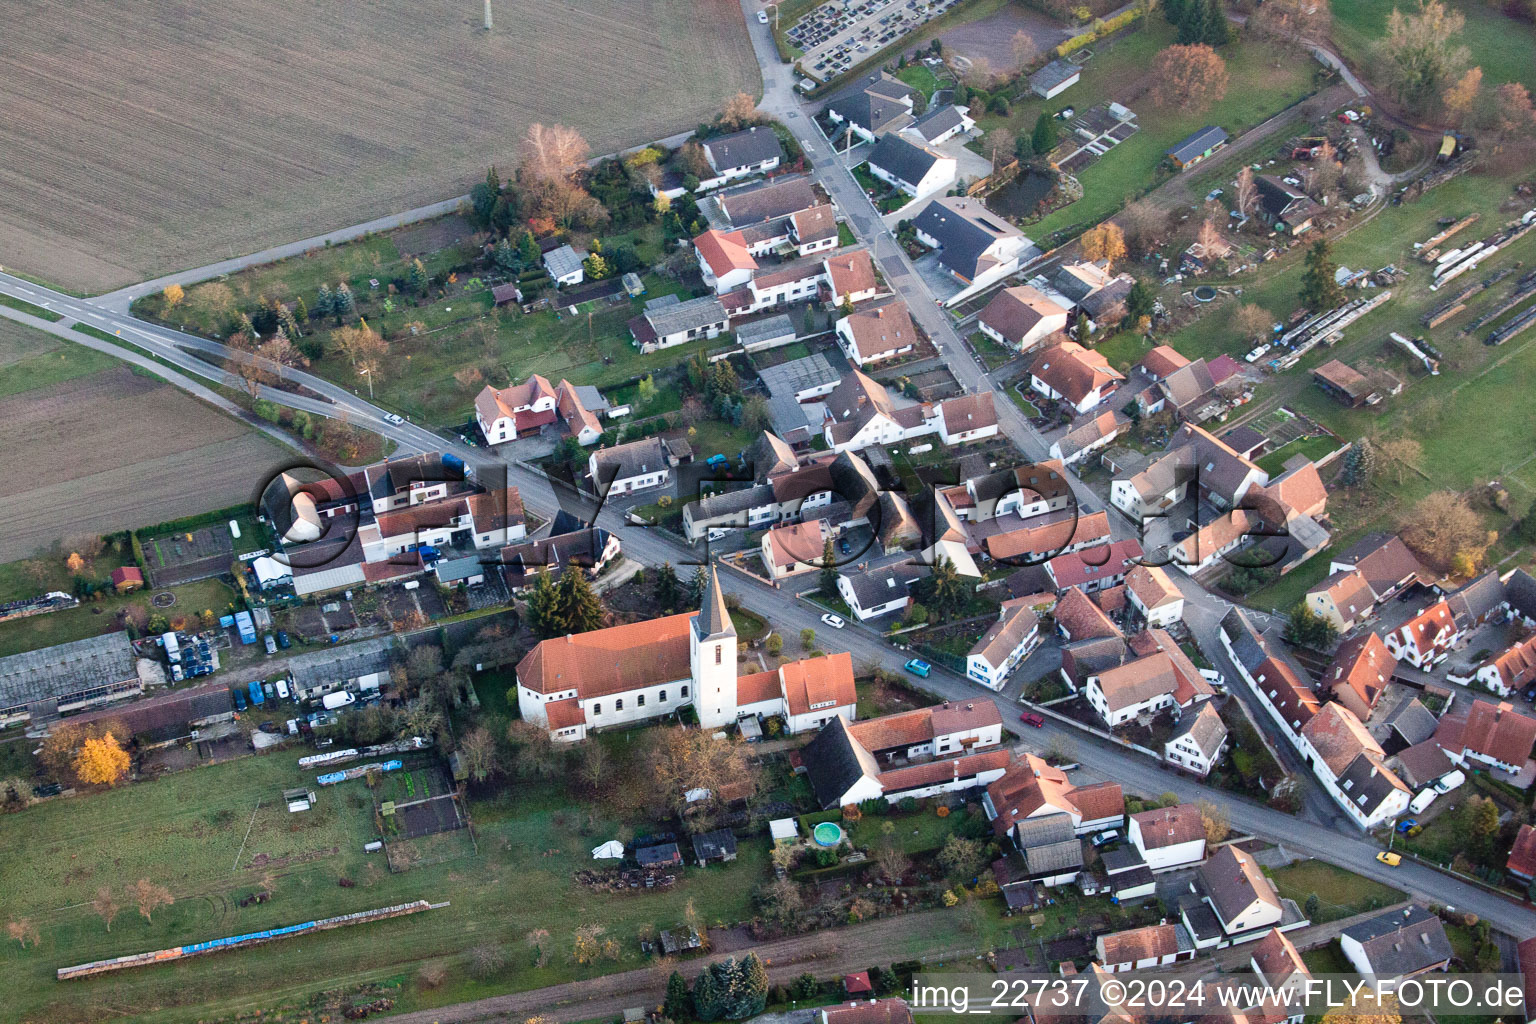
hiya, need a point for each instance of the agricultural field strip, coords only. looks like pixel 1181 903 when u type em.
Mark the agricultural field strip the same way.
pixel 348 119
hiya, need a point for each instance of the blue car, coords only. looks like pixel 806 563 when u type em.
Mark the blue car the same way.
pixel 1406 824
pixel 919 667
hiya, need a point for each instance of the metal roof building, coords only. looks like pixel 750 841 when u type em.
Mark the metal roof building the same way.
pixel 67 676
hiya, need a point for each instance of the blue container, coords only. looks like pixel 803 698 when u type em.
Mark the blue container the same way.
pixel 255 690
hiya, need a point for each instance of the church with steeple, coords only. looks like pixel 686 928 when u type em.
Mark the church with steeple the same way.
pixel 621 675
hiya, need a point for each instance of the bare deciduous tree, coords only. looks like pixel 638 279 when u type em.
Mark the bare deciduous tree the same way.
pixel 1024 49
pixel 106 906
pixel 552 153
pixel 1146 225
pixel 1250 320
pixel 149 897
pixel 1245 192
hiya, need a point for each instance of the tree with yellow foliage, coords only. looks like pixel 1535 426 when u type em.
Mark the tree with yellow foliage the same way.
pixel 75 563
pixel 101 761
pixel 173 295
pixel 1105 242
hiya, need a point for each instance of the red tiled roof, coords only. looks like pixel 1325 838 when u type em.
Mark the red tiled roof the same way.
pixel 880 1011
pixel 1293 699
pixel 1162 361
pixel 1516 666
pixel 610 660
pixel 852 272
pixel 1361 669
pixel 1102 561
pixel 1277 958
pixel 883 329
pixel 826 681
pixel 1522 856
pixel 724 251
pixel 1152 942
pixel 1073 371
pixel 564 714
pixel 1169 826
pixel 1498 731
pixel 932 773
pixel 758 687
pixel 1338 737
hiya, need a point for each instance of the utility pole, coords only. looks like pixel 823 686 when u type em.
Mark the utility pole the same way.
pixel 487 15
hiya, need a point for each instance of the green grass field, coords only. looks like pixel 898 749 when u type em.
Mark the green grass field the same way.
pixel 1260 87
pixel 1500 45
pixel 30 359
pixel 186 831
pixel 93 618
pixel 1340 893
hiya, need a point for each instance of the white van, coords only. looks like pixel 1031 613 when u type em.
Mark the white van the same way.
pixel 339 699
pixel 282 689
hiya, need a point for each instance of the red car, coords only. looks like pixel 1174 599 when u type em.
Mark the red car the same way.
pixel 1030 718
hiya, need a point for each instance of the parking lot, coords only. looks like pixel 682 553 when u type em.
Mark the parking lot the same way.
pixel 837 35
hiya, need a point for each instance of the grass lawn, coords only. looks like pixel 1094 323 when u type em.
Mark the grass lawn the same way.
pixel 1313 448
pixel 31 309
pixel 1444 414
pixel 748 626
pixel 96 617
pixel 991 353
pixel 919 77
pixel 1025 405
pixel 30 359
pixel 1500 45
pixel 1124 350
pixel 1327 959
pixel 1260 87
pixel 845 236
pixel 1340 893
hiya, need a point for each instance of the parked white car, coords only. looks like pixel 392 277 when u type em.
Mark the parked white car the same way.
pixel 762 17
pixel 834 621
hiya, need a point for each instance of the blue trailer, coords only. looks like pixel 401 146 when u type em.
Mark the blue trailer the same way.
pixel 246 626
pixel 255 691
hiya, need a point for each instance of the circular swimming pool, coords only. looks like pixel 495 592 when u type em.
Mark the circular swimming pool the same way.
pixel 828 833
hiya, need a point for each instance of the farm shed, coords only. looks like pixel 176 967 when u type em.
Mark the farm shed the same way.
pixel 717 845
pixel 68 676
pixel 360 666
pixel 168 717
pixel 662 855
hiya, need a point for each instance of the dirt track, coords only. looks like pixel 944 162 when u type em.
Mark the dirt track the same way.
pixel 113 450
pixel 155 137
pixel 823 954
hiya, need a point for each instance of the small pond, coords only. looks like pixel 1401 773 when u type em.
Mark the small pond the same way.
pixel 1022 196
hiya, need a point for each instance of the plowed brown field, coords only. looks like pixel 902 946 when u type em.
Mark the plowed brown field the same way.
pixel 110 450
pixel 145 138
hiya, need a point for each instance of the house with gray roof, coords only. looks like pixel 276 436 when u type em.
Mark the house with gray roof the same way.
pixel 636 466
pixel 678 323
pixel 755 150
pixel 942 124
pixel 563 263
pixel 66 677
pixel 1520 595
pixel 736 508
pixel 881 591
pixel 1411 722
pixel 1053 854
pixel 911 165
pixel 353 667
pixel 1196 147
pixel 770 332
pixel 1397 944
pixel 1055 78
pixel 976 247
pixel 874 104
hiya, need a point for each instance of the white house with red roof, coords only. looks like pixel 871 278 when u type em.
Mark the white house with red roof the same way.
pixel 878 334
pixel 724 261
pixel 1094 568
pixel 1074 376
pixel 508 413
pixel 641 671
pixel 850 277
pixel 1426 639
